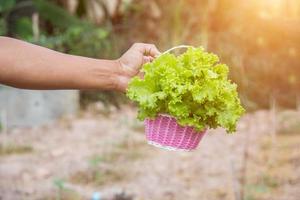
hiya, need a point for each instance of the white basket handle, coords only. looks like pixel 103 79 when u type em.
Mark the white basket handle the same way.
pixel 176 47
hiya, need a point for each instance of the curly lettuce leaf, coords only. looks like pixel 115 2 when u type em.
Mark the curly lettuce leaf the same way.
pixel 193 87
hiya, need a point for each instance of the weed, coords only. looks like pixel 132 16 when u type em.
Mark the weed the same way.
pixel 64 193
pixel 9 149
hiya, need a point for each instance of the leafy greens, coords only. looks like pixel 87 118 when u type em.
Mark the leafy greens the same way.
pixel 193 87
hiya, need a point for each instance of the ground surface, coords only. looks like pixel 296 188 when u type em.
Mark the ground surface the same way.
pixel 73 158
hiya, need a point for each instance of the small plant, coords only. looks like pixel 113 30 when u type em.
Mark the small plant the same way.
pixel 96 173
pixel 64 193
pixel 60 185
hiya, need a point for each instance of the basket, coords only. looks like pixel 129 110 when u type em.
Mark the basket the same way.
pixel 164 132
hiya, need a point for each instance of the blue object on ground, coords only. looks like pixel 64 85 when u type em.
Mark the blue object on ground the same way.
pixel 96 196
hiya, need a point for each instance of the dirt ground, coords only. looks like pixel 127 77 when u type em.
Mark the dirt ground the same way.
pixel 75 157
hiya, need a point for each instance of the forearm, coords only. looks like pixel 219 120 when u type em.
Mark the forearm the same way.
pixel 24 65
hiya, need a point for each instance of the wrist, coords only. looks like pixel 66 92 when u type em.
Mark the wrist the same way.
pixel 120 78
pixel 98 74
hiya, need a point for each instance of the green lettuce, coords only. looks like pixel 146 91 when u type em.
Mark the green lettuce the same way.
pixel 193 87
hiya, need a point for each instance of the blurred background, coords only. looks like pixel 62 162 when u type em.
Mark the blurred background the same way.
pixel 80 144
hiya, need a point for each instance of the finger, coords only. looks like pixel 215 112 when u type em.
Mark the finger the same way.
pixel 148 49
pixel 151 58
pixel 147 59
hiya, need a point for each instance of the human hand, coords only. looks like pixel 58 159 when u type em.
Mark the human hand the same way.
pixel 42 68
pixel 132 60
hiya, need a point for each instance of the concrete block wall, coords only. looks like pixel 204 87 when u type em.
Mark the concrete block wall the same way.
pixel 30 108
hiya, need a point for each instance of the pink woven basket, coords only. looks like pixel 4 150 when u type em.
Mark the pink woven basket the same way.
pixel 166 133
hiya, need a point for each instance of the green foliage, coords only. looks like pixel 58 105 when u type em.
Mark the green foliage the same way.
pixel 23 28
pixel 95 161
pixel 57 15
pixel 84 38
pixel 63 192
pixel 71 34
pixel 59 184
pixel 64 32
pixel 2 27
pixel 6 5
pixel 192 87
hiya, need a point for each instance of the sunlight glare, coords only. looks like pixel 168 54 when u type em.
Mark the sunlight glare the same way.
pixel 277 8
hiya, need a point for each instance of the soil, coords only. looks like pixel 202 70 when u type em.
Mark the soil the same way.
pixel 75 157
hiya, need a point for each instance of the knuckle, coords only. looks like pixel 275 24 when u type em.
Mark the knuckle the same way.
pixel 153 47
pixel 137 44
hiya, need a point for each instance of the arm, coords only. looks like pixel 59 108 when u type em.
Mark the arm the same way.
pixel 28 66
